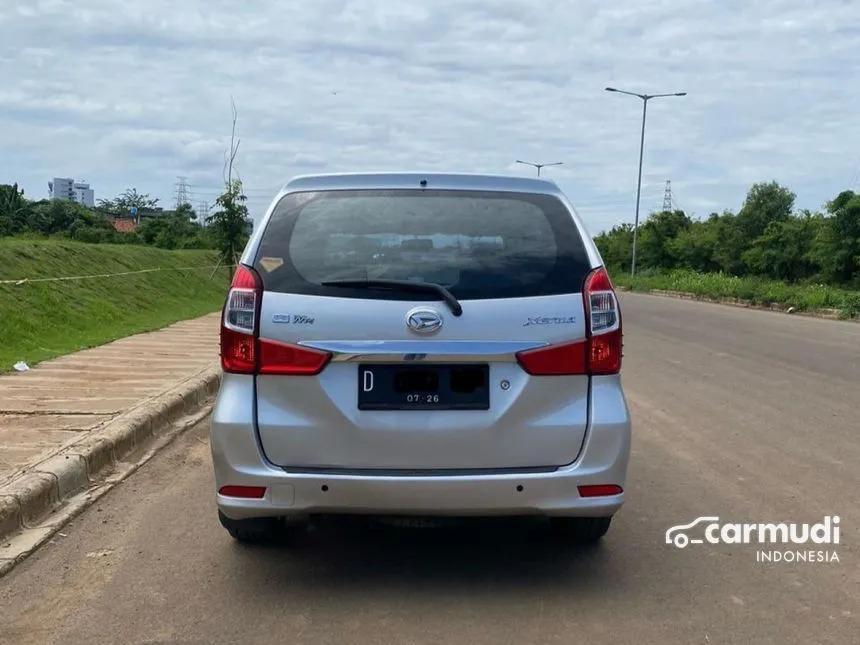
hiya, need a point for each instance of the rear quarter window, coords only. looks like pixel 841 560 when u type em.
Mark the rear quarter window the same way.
pixel 479 245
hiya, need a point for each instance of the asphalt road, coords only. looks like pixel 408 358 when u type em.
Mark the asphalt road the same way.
pixel 745 415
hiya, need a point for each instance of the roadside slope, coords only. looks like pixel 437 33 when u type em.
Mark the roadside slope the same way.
pixel 42 320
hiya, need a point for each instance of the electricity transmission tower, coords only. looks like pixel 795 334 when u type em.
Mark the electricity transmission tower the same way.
pixel 667 197
pixel 181 191
pixel 202 211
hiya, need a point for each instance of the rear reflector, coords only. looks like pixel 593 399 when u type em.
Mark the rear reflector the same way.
pixel 243 492
pixel 600 490
pixel 284 359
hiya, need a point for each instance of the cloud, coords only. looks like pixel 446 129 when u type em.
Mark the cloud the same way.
pixel 139 93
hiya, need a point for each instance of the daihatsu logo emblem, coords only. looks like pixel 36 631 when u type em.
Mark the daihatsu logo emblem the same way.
pixel 424 321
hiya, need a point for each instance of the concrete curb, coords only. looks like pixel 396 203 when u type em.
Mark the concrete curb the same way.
pixel 829 314
pixel 27 500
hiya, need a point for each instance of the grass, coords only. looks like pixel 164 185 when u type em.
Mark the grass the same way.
pixel 42 320
pixel 803 297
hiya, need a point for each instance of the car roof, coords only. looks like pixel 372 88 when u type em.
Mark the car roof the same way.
pixel 434 180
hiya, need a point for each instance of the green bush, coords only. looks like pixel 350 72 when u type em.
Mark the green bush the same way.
pixel 764 240
pixel 803 297
pixel 22 218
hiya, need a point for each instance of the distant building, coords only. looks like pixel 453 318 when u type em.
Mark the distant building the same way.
pixel 124 224
pixel 130 223
pixel 85 195
pixel 61 189
pixel 75 191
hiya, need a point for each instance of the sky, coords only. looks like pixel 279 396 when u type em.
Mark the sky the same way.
pixel 138 94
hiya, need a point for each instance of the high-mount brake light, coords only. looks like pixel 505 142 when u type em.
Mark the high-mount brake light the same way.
pixel 600 352
pixel 243 352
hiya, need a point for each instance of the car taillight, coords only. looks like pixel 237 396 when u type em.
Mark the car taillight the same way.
pixel 239 323
pixel 243 352
pixel 556 360
pixel 603 323
pixel 600 352
pixel 282 358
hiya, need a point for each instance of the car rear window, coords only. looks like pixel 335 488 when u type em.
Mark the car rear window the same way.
pixel 480 245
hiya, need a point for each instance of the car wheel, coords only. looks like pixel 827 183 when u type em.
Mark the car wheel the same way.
pixel 258 530
pixel 582 530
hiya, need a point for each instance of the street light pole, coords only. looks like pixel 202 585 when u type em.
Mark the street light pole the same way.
pixel 639 186
pixel 540 165
pixel 645 98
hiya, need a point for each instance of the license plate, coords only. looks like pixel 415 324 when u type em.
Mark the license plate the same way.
pixel 423 387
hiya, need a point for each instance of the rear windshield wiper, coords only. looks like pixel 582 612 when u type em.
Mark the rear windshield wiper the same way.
pixel 402 285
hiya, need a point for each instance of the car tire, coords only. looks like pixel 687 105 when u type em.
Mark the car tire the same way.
pixel 258 530
pixel 582 530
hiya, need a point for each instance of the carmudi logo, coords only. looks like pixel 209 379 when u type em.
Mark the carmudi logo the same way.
pixel 709 530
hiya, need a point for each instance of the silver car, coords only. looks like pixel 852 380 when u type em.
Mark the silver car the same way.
pixel 430 345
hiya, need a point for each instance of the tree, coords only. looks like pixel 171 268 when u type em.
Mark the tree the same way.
pixel 766 238
pixel 176 230
pixel 57 216
pixel 784 251
pixel 658 231
pixel 129 199
pixel 838 247
pixel 230 222
pixel 14 210
pixel 694 247
pixel 71 219
pixel 616 246
pixel 186 211
pixel 764 203
pixel 730 243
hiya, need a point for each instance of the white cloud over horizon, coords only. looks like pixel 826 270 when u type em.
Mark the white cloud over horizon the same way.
pixel 139 93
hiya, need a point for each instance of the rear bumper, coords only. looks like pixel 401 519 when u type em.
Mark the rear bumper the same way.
pixel 238 460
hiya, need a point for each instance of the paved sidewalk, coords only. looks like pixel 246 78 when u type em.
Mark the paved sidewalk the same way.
pixel 59 402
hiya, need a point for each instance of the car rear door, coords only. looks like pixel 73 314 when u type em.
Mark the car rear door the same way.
pixel 394 380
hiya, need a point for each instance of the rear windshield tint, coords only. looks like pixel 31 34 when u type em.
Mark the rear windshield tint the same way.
pixel 480 245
